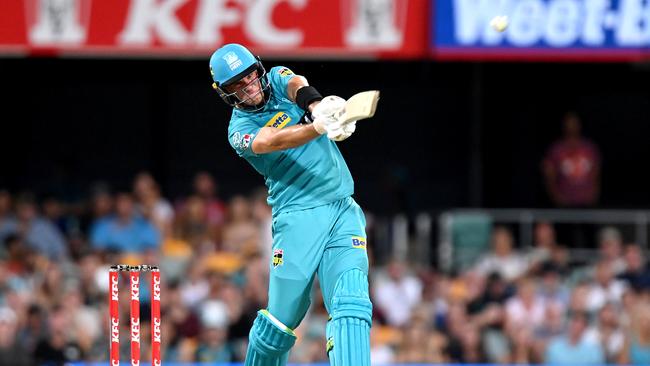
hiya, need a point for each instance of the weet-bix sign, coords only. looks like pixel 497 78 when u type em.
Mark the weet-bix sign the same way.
pixel 584 29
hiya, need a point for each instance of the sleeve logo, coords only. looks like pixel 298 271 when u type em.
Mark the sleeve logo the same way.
pixel 242 142
pixel 285 72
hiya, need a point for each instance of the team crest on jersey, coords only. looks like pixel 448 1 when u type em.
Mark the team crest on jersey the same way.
pixel 278 257
pixel 279 120
pixel 285 72
pixel 358 242
pixel 240 141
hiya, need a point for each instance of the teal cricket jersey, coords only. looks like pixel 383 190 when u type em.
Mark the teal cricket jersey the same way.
pixel 307 176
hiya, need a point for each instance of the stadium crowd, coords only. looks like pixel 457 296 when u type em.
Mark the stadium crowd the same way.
pixel 511 306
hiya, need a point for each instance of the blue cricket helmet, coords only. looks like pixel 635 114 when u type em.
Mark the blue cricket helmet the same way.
pixel 231 63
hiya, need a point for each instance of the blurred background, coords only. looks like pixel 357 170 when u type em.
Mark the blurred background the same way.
pixel 504 176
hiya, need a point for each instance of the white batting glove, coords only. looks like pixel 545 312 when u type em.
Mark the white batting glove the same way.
pixel 343 132
pixel 326 114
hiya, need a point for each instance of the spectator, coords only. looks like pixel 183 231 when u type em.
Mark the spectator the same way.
pixel 572 168
pixel 39 234
pixel 205 187
pixel 551 288
pixel 610 248
pixel 636 349
pixel 574 349
pixel 124 231
pixel 605 288
pixel 525 311
pixel 637 273
pixel 503 259
pixel 240 233
pixel 12 352
pixel 192 226
pixel 150 204
pixel 544 244
pixel 59 346
pixel 397 294
pixel 607 332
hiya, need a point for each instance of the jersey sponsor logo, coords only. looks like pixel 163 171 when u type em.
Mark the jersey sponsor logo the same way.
pixel 358 242
pixel 232 60
pixel 285 72
pixel 278 121
pixel 278 255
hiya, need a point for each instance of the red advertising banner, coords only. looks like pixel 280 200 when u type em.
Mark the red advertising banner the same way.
pixel 280 28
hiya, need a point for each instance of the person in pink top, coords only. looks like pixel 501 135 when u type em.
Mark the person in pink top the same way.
pixel 572 168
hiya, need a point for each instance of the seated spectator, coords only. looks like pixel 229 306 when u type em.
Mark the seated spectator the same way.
pixel 150 203
pixel 551 288
pixel 636 348
pixel 39 234
pixel 526 310
pixel 124 231
pixel 397 293
pixel 573 348
pixel 607 332
pixel 544 242
pixel 637 272
pixel 193 227
pixel 605 288
pixel 503 259
pixel 12 352
pixel 610 249
pixel 240 233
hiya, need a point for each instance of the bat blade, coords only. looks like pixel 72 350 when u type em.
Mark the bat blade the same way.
pixel 361 105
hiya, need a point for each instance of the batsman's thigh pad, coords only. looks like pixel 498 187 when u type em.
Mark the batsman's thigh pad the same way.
pixel 269 341
pixel 348 331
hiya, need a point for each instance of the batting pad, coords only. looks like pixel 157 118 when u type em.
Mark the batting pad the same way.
pixel 269 341
pixel 348 331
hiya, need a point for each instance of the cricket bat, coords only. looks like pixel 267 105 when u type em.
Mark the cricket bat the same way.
pixel 360 106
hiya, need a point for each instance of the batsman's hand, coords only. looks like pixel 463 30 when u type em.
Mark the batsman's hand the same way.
pixel 327 112
pixel 327 115
pixel 342 132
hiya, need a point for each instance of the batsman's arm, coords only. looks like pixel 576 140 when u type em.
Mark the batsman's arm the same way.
pixel 271 139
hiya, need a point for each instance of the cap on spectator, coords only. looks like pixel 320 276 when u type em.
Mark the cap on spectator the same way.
pixel 214 314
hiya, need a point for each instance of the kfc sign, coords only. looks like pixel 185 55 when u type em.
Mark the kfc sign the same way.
pixel 285 27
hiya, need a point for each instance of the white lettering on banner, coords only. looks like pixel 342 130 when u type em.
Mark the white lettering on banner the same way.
pixel 211 16
pixel 58 21
pixel 374 22
pixel 149 17
pixel 592 29
pixel 634 24
pixel 156 330
pixel 114 290
pixel 556 23
pixel 135 288
pixel 527 23
pixel 472 20
pixel 156 288
pixel 563 25
pixel 115 330
pixel 259 26
pixel 135 330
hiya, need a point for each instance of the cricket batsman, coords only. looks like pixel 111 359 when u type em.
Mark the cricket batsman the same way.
pixel 286 130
